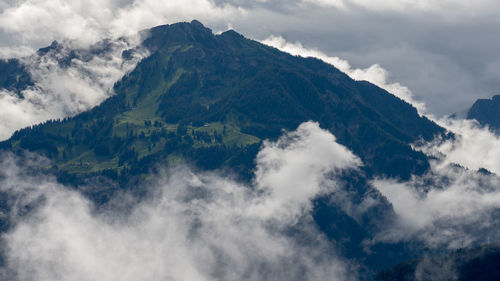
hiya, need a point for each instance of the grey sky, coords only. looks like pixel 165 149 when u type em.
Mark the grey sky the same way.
pixel 445 51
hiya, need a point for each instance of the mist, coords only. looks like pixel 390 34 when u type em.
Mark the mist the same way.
pixel 64 89
pixel 193 226
pixel 456 203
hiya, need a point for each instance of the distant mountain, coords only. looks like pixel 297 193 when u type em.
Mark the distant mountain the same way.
pixel 464 264
pixel 14 76
pixel 486 112
pixel 210 100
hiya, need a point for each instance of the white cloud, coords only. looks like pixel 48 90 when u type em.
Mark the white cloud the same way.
pixel 299 159
pixel 374 74
pixel 15 52
pixel 87 22
pixel 35 20
pixel 195 227
pixel 474 147
pixel 451 207
pixel 62 91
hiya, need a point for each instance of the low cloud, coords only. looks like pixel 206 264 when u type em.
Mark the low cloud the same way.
pixel 66 84
pixel 473 147
pixel 456 203
pixel 453 205
pixel 197 226
pixel 449 207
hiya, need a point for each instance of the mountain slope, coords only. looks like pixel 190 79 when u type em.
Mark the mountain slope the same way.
pixel 212 98
pixel 14 76
pixel 482 263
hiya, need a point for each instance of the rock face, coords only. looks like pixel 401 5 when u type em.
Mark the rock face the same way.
pixel 487 112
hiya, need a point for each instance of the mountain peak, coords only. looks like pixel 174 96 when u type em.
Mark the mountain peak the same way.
pixel 496 99
pixel 178 33
pixel 485 111
pixel 196 23
pixel 54 46
pixel 231 33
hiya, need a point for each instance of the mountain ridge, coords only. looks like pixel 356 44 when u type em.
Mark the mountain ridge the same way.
pixel 195 78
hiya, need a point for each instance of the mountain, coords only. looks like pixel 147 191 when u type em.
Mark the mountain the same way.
pixel 14 76
pixel 210 100
pixel 482 263
pixel 486 112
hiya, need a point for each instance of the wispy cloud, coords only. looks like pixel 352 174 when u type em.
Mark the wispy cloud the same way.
pixel 64 89
pixel 473 147
pixel 449 207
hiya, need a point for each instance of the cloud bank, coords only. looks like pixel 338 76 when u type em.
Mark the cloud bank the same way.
pixel 196 226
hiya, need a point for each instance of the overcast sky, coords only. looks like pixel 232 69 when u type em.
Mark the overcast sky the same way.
pixel 445 51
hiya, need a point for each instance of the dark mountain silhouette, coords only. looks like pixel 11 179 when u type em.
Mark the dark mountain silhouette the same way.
pixel 486 112
pixel 14 76
pixel 482 263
